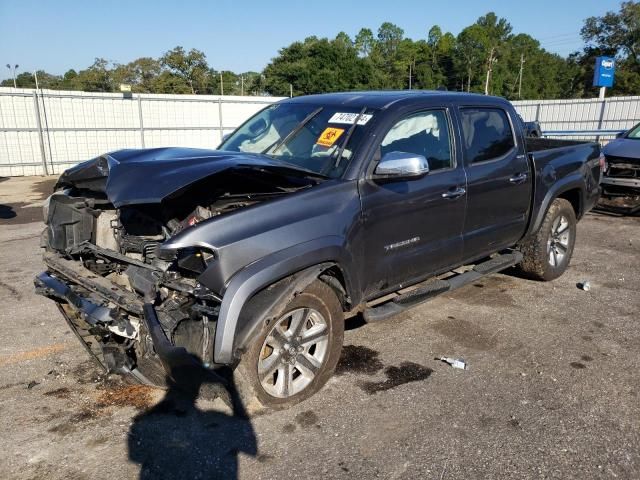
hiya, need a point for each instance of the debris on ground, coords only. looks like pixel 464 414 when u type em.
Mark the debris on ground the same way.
pixel 586 286
pixel 32 384
pixel 137 396
pixel 454 362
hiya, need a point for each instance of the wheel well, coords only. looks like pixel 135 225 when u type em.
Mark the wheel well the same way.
pixel 575 199
pixel 334 277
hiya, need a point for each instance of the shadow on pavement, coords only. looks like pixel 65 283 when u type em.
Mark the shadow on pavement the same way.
pixel 177 440
pixel 7 211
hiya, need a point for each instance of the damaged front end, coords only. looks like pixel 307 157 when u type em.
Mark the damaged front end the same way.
pixel 136 306
pixel 621 183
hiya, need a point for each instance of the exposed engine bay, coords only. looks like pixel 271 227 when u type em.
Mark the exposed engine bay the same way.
pixel 111 263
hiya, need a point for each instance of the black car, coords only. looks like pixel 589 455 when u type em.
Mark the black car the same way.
pixel 316 209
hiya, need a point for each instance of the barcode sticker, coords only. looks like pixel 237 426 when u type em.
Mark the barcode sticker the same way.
pixel 349 118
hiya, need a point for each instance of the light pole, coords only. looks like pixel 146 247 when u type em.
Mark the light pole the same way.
pixel 12 70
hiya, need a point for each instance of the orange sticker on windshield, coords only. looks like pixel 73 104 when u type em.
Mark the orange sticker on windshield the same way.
pixel 329 136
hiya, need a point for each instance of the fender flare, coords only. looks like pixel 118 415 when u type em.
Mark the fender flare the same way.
pixel 307 260
pixel 570 182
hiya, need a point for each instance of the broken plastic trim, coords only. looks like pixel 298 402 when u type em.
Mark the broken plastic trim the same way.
pixel 52 287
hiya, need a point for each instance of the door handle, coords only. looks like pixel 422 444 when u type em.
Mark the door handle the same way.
pixel 454 193
pixel 519 178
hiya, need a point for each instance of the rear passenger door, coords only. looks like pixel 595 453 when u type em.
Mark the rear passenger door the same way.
pixel 498 181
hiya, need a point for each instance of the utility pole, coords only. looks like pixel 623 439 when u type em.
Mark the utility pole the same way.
pixel 520 75
pixel 290 90
pixel 490 63
pixel 242 85
pixel 12 70
pixel 35 75
pixel 409 75
pixel 221 85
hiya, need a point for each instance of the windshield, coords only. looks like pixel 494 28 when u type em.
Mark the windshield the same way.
pixel 635 133
pixel 318 138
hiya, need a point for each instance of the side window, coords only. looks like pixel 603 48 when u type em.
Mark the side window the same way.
pixel 425 133
pixel 487 133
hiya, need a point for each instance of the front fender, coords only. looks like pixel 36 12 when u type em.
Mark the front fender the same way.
pixel 265 272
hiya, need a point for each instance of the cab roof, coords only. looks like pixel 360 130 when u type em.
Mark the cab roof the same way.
pixel 382 99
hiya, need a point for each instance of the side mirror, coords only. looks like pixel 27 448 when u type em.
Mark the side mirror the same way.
pixel 620 134
pixel 402 164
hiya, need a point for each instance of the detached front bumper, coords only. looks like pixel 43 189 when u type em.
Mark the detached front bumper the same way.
pixel 86 299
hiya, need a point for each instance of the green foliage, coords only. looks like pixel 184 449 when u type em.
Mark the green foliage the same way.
pixel 318 65
pixel 486 55
pixel 614 34
pixel 189 70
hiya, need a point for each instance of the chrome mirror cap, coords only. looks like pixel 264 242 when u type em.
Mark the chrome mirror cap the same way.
pixel 402 164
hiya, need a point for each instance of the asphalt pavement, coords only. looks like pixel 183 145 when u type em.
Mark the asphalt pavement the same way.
pixel 551 390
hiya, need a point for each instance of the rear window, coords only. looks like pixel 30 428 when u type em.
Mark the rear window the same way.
pixel 487 134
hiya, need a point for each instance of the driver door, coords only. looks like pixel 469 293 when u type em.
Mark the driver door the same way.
pixel 413 225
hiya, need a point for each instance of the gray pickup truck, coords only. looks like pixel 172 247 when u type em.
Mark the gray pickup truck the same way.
pixel 316 209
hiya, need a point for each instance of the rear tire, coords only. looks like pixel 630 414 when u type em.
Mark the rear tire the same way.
pixel 548 253
pixel 295 354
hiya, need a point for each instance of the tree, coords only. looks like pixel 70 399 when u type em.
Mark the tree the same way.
pixel 392 70
pixel 470 50
pixel 434 63
pixel 343 40
pixel 96 78
pixel 365 42
pixel 141 74
pixel 191 67
pixel 614 34
pixel 27 80
pixel 317 65
pixel 497 32
pixel 389 38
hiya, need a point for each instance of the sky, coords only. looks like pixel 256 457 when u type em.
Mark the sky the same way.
pixel 57 35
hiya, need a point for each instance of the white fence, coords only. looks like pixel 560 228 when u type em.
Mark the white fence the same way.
pixel 51 130
pixel 595 118
pixel 48 131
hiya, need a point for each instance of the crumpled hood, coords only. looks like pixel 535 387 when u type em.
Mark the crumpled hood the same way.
pixel 623 147
pixel 149 175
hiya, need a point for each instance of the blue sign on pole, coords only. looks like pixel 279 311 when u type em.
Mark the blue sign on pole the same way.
pixel 604 72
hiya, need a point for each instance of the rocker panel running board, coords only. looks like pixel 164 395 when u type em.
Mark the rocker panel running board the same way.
pixel 436 287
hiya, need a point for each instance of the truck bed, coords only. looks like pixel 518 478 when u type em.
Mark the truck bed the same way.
pixel 574 162
pixel 537 144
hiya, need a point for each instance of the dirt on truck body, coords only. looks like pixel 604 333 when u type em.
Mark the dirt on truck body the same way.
pixel 315 209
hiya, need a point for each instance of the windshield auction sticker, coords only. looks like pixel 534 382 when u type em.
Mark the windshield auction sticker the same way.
pixel 329 136
pixel 349 118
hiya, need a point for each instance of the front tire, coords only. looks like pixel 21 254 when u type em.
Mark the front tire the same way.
pixel 548 253
pixel 295 354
